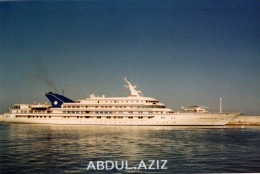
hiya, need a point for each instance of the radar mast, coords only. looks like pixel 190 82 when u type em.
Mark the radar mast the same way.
pixel 134 93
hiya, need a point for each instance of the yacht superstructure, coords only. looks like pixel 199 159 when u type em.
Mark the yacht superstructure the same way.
pixel 132 110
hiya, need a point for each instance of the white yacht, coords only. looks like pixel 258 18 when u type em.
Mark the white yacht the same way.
pixel 132 110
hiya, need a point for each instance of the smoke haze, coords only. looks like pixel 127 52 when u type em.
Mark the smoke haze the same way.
pixel 40 74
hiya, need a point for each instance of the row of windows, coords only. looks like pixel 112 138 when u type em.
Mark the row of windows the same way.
pixel 110 112
pixel 115 106
pixel 123 101
pixel 33 116
pixel 150 107
pixel 104 112
pixel 75 106
pixel 24 111
pixel 16 107
pixel 115 117
pixel 109 117
pixel 75 112
pixel 151 101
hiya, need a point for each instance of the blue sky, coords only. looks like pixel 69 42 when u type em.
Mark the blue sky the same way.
pixel 180 52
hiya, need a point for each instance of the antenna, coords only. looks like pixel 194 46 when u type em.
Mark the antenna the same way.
pixel 220 105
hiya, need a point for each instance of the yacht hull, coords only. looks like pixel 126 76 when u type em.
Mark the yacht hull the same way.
pixel 176 119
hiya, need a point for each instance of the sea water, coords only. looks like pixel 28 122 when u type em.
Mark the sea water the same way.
pixel 39 148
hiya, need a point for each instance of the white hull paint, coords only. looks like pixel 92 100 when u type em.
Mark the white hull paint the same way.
pixel 177 119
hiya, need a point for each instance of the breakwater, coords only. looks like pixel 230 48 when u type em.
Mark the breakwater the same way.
pixel 245 120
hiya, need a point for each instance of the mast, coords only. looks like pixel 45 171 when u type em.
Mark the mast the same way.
pixel 220 105
pixel 134 93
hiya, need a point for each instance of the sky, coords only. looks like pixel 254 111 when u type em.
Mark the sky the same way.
pixel 182 52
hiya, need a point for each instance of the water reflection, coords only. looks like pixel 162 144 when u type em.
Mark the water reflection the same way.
pixel 62 148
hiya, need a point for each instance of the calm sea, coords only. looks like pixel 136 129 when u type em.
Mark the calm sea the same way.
pixel 31 148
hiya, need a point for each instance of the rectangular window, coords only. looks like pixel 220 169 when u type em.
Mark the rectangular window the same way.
pixel 118 117
pixel 98 117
